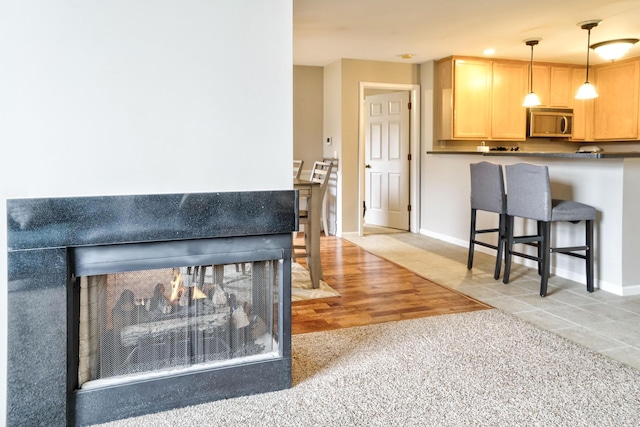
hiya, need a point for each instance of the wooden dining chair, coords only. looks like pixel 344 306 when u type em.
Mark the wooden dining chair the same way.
pixel 297 168
pixel 320 173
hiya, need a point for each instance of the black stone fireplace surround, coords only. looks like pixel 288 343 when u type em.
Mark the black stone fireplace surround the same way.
pixel 42 235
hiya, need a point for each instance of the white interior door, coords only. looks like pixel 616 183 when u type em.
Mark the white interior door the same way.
pixel 387 160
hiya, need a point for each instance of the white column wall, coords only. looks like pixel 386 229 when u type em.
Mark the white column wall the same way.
pixel 631 222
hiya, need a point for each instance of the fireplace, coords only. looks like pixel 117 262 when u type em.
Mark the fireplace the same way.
pixel 162 321
pixel 125 305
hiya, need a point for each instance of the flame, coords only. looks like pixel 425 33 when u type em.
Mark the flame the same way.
pixel 177 289
pixel 196 293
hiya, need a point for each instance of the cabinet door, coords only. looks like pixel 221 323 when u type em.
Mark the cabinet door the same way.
pixel 509 119
pixel 444 99
pixel 472 99
pixel 582 108
pixel 552 84
pixel 616 108
pixel 541 83
pixel 560 94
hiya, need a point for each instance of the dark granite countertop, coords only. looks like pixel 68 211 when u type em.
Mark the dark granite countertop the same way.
pixel 454 152
pixel 555 155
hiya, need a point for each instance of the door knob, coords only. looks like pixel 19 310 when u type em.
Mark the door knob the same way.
pixel 367 166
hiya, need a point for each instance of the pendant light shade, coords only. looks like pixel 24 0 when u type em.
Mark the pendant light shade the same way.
pixel 531 100
pixel 587 91
pixel 613 49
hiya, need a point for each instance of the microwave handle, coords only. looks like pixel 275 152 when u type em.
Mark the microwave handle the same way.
pixel 563 124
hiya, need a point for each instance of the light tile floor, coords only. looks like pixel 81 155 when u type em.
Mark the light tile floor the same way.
pixel 606 323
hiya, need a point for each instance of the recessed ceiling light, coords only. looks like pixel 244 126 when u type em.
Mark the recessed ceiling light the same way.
pixel 489 51
pixel 406 55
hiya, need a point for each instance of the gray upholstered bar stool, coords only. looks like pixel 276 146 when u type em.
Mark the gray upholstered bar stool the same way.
pixel 487 194
pixel 530 197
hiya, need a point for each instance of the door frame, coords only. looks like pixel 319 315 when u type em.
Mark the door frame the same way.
pixel 414 146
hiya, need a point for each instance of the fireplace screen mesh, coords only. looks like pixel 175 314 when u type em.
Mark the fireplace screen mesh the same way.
pixel 152 321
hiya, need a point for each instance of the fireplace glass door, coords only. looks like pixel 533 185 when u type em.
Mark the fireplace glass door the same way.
pixel 156 322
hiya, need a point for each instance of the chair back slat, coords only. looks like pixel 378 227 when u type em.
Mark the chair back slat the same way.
pixel 297 168
pixel 320 173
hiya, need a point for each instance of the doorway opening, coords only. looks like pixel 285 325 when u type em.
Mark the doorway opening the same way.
pixel 411 159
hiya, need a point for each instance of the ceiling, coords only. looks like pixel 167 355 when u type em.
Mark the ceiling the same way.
pixel 325 31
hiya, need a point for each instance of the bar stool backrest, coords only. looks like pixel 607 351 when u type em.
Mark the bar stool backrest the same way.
pixel 529 191
pixel 487 187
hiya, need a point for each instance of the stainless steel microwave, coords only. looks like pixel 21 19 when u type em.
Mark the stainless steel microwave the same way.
pixel 550 122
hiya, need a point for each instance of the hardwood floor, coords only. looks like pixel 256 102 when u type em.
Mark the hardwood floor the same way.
pixel 372 290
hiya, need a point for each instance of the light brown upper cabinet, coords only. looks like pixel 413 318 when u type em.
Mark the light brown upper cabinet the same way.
pixel 615 110
pixel 552 84
pixel 508 116
pixel 582 109
pixel 464 107
pixel 481 99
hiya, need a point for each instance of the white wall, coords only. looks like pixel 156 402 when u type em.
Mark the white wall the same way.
pixel 427 133
pixel 307 115
pixel 332 128
pixel 138 97
pixel 342 84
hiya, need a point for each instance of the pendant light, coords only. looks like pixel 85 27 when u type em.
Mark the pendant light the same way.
pixel 531 100
pixel 587 91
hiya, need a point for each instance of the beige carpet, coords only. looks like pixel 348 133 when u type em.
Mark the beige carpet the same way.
pixel 484 368
pixel 301 288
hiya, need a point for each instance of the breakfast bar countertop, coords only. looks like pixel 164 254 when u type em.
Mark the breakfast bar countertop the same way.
pixel 547 154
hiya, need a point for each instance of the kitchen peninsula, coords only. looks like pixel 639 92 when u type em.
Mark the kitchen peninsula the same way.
pixel 606 180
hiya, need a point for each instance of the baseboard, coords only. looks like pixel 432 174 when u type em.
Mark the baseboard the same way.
pixel 623 291
pixel 449 239
pixel 348 234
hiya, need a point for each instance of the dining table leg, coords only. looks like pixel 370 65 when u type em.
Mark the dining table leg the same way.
pixel 312 236
pixel 312 192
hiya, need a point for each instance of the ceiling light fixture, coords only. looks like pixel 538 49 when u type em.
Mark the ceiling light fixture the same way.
pixel 613 49
pixel 587 91
pixel 531 100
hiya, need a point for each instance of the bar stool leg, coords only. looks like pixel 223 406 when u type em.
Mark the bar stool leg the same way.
pixel 472 238
pixel 540 227
pixel 589 254
pixel 507 249
pixel 545 263
pixel 502 233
